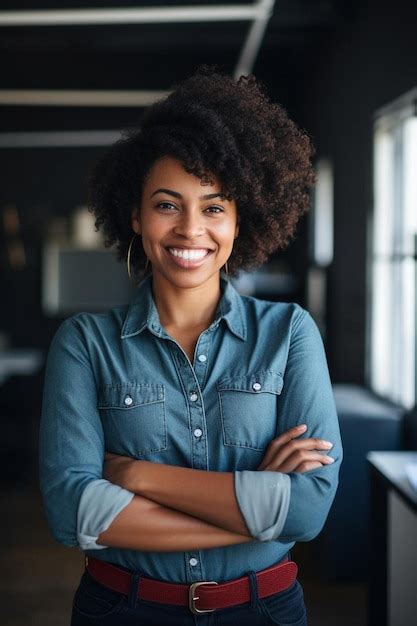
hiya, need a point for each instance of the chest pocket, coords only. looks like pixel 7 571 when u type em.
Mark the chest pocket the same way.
pixel 133 418
pixel 248 408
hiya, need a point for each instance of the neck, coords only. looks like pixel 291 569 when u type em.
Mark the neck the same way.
pixel 186 308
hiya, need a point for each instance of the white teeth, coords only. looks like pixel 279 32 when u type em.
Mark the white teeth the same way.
pixel 188 254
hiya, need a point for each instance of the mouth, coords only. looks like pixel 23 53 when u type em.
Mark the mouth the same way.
pixel 188 258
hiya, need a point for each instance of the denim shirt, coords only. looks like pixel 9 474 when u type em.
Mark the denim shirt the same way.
pixel 116 381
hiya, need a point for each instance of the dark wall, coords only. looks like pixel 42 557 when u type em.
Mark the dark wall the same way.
pixel 331 88
pixel 364 66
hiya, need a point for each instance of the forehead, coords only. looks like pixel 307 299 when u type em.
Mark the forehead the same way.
pixel 169 171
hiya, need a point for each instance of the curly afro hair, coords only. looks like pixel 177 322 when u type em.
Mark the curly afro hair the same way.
pixel 213 125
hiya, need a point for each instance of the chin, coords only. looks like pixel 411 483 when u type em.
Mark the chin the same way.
pixel 187 279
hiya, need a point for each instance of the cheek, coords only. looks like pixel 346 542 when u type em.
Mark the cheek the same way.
pixel 154 228
pixel 226 231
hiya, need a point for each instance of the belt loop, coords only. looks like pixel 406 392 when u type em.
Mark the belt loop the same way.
pixel 253 583
pixel 134 590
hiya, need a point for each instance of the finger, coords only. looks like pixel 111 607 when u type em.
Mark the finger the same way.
pixel 307 466
pixel 298 457
pixel 278 453
pixel 296 445
pixel 288 435
pixel 304 456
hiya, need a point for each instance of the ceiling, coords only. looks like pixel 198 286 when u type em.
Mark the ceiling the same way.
pixel 150 56
pixel 154 55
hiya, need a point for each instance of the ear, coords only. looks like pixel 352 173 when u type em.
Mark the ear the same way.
pixel 136 221
pixel 237 229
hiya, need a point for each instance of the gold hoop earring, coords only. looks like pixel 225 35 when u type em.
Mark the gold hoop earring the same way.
pixel 129 271
pixel 226 265
pixel 128 257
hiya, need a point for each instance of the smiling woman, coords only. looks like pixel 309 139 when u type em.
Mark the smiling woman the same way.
pixel 186 255
pixel 186 239
pixel 219 130
pixel 183 436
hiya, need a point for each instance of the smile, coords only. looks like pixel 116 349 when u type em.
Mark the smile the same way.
pixel 188 258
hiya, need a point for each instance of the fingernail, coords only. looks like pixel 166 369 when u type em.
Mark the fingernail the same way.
pixel 327 444
pixel 329 458
pixel 302 426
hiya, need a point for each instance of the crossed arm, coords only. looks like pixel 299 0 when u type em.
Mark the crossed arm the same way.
pixel 171 508
pixel 177 508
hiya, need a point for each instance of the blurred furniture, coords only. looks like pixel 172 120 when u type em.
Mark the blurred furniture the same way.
pixel 266 283
pixel 19 361
pixel 393 541
pixel 367 422
pixel 21 379
pixel 76 279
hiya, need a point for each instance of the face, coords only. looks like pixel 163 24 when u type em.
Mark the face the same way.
pixel 187 228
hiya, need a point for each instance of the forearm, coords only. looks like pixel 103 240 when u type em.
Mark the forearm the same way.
pixel 147 525
pixel 209 496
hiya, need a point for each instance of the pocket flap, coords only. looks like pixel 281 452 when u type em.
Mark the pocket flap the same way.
pixel 257 382
pixel 129 395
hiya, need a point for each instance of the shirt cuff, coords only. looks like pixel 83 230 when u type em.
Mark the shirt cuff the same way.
pixel 264 499
pixel 99 504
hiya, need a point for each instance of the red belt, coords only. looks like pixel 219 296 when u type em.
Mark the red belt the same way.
pixel 210 594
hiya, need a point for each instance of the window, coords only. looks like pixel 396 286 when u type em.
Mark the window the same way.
pixel 320 242
pixel 391 366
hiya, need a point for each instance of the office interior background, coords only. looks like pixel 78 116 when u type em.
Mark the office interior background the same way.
pixel 74 74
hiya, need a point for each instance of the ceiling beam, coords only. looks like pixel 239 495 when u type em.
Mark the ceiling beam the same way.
pixel 142 15
pixel 59 139
pixel 254 38
pixel 78 97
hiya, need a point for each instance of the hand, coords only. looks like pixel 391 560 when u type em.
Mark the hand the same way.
pixel 121 470
pixel 288 454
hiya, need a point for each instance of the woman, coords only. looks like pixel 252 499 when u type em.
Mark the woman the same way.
pixel 183 437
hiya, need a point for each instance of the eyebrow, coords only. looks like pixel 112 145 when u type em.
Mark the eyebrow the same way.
pixel 208 196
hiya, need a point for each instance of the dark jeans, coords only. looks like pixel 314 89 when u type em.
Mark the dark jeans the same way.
pixel 95 604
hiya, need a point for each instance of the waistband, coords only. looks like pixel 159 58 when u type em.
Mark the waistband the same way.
pixel 210 594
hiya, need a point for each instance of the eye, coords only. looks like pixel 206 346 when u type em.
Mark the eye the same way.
pixel 165 205
pixel 217 209
pixel 168 205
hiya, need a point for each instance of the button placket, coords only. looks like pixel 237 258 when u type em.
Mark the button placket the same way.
pixel 196 405
pixel 192 380
pixel 194 566
pixel 202 352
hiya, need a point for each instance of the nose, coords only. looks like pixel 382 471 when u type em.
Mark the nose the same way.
pixel 189 224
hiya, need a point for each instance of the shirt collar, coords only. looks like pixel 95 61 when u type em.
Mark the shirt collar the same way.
pixel 142 312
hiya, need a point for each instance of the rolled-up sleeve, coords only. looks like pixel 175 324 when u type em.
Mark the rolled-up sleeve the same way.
pixel 79 504
pixel 294 506
pixel 263 498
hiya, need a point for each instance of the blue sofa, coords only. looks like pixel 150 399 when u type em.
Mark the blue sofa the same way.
pixel 367 422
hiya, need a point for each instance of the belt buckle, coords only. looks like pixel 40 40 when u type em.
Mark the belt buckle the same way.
pixel 192 598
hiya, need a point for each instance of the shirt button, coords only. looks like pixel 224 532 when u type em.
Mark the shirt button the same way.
pixel 193 561
pixel 202 358
pixel 198 432
pixel 256 386
pixel 193 397
pixel 128 400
